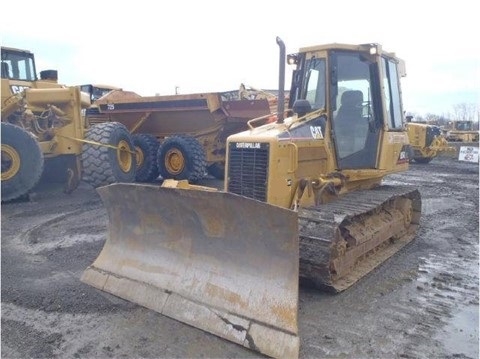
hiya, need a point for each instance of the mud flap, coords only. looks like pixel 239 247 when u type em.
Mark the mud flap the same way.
pixel 220 262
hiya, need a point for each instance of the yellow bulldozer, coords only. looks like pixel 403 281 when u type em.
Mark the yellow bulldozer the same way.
pixel 461 131
pixel 44 133
pixel 303 202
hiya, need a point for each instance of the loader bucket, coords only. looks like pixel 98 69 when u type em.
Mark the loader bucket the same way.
pixel 220 262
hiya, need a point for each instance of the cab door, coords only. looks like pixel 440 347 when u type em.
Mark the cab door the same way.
pixel 356 109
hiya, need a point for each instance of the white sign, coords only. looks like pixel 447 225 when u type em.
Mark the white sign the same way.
pixel 468 154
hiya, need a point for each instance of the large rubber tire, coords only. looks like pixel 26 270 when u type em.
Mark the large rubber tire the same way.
pixel 103 165
pixel 146 147
pixel 182 157
pixel 217 170
pixel 22 161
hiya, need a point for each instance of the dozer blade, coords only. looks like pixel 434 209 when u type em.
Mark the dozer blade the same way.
pixel 217 261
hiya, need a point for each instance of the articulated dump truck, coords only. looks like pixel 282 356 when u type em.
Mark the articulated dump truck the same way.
pixel 303 202
pixel 44 133
pixel 180 137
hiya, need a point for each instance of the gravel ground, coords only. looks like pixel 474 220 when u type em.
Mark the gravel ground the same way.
pixel 422 303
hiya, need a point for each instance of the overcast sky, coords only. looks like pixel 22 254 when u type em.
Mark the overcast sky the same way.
pixel 151 47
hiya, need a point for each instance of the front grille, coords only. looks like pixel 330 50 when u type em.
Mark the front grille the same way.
pixel 248 169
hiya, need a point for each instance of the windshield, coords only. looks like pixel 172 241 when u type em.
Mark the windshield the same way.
pixel 315 83
pixel 18 65
pixel 464 126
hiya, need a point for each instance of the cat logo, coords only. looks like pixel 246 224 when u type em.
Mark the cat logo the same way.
pixel 16 89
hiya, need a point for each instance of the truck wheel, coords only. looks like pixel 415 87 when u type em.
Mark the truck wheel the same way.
pixel 181 158
pixel 217 170
pixel 22 161
pixel 422 159
pixel 146 148
pixel 103 165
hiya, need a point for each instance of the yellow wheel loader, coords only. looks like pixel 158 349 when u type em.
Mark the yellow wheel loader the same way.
pixel 303 199
pixel 44 134
pixel 426 142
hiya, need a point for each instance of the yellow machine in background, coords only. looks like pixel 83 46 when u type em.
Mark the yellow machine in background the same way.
pixel 96 91
pixel 303 199
pixel 179 136
pixel 43 132
pixel 427 142
pixel 461 131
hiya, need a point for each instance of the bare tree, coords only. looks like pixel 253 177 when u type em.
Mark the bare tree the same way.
pixel 419 118
pixel 465 112
pixel 443 119
pixel 432 118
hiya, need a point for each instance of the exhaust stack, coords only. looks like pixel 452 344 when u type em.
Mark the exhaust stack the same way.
pixel 281 82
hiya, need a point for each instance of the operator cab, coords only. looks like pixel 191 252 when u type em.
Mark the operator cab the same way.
pixel 18 65
pixel 358 87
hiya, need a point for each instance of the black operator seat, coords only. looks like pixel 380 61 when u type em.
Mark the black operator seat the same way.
pixel 350 109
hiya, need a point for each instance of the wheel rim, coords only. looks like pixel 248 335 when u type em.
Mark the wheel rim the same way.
pixel 139 156
pixel 10 162
pixel 174 161
pixel 124 156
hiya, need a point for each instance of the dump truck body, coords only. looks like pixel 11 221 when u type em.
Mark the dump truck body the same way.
pixel 305 190
pixel 207 119
pixel 44 133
